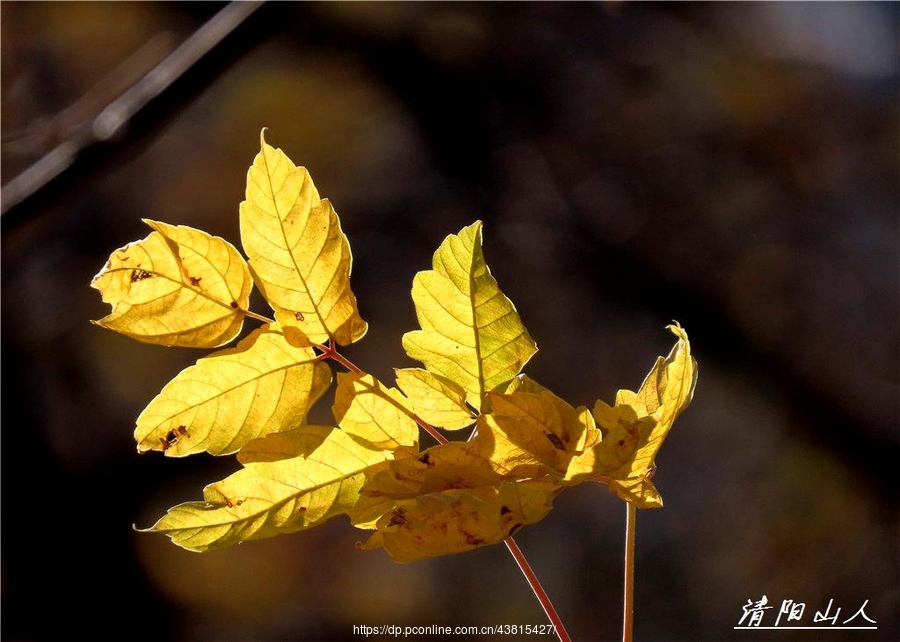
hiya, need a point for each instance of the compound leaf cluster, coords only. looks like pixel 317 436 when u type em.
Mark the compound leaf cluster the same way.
pixel 183 287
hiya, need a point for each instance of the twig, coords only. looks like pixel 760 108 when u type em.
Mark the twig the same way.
pixel 119 112
pixel 628 584
pixel 539 591
pixel 329 351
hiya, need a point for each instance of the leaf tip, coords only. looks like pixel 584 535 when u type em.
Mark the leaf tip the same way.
pixel 676 329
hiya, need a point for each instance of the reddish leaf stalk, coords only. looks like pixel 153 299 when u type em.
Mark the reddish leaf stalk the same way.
pixel 431 430
pixel 539 591
pixel 628 585
pixel 329 351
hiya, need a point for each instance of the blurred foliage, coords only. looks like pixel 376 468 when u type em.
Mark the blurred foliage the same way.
pixel 733 166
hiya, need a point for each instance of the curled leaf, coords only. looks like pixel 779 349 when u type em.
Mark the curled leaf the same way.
pixel 635 427
pixel 262 385
pixel 299 256
pixel 177 287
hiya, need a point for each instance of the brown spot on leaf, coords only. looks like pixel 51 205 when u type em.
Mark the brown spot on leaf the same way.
pixel 298 315
pixel 472 540
pixel 302 509
pixel 504 510
pixel 195 280
pixel 173 435
pixel 425 460
pixel 140 275
pixel 228 503
pixel 556 441
pixel 398 518
pixel 234 304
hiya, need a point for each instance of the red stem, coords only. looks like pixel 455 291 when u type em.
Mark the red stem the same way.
pixel 431 430
pixel 329 351
pixel 539 591
pixel 628 584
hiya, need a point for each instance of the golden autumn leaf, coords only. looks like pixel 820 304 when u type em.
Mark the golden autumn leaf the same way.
pixel 177 287
pixel 613 457
pixel 262 385
pixel 184 287
pixel 534 429
pixel 305 477
pixel 448 466
pixel 471 332
pixel 456 521
pixel 299 256
pixel 455 465
pixel 374 414
pixel 635 427
pixel 435 399
pixel 639 491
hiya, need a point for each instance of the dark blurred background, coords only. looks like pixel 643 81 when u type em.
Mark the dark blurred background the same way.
pixel 731 166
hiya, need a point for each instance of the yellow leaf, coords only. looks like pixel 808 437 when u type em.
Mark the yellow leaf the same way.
pixel 639 491
pixel 262 385
pixel 452 466
pixel 448 466
pixel 471 333
pixel 299 257
pixel 458 521
pixel 539 426
pixel 613 457
pixel 275 495
pixel 634 429
pixel 435 399
pixel 177 287
pixel 667 390
pixel 376 415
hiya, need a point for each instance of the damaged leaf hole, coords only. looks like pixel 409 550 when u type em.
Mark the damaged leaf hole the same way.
pixel 140 275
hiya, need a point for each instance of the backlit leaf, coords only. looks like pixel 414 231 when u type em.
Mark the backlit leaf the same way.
pixel 535 428
pixel 449 466
pixel 262 385
pixel 299 257
pixel 457 521
pixel 435 399
pixel 376 415
pixel 177 287
pixel 273 494
pixel 183 287
pixel 452 466
pixel 471 333
pixel 635 427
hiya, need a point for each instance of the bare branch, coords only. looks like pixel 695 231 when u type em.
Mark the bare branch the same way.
pixel 119 112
